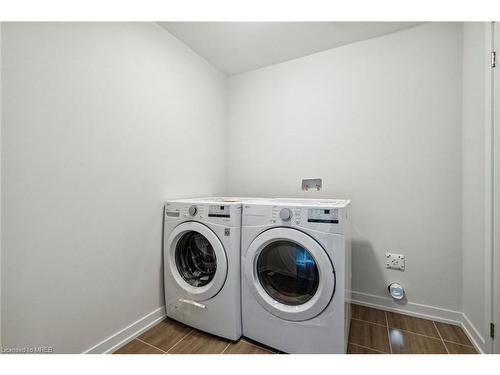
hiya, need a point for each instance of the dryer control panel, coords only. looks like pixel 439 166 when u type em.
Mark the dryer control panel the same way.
pixel 320 217
pixel 323 215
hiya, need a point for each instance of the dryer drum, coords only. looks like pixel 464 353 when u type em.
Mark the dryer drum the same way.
pixel 288 272
pixel 195 259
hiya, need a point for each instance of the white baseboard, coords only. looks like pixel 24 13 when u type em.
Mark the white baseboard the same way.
pixel 410 308
pixel 474 336
pixel 423 311
pixel 128 333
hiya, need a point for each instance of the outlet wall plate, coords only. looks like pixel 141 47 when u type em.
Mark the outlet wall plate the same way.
pixel 395 261
pixel 312 183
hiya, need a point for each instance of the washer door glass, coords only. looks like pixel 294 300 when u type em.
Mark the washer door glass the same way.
pixel 195 259
pixel 288 272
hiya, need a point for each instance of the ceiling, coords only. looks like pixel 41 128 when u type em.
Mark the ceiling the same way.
pixel 236 47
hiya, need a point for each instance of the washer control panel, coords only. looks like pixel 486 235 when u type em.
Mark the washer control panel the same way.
pixel 218 211
pixel 228 214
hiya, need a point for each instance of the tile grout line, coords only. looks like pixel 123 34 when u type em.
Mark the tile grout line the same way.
pixel 227 346
pixel 147 343
pixel 366 347
pixel 407 331
pixel 446 347
pixel 457 343
pixel 441 337
pixel 367 321
pixel 182 338
pixel 407 315
pixel 257 346
pixel 388 333
pixel 416 333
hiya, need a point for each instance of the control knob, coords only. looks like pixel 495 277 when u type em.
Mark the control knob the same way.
pixel 285 214
pixel 192 210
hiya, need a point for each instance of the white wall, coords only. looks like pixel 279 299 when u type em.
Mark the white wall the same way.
pixel 101 123
pixel 475 68
pixel 380 122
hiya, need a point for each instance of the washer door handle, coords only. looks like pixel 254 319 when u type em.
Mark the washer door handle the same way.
pixel 191 302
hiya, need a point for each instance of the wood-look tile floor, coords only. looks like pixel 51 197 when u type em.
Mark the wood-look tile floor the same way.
pixel 375 332
pixel 172 337
pixel 372 332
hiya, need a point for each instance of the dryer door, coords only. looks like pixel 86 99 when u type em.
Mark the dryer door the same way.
pixel 290 274
pixel 196 260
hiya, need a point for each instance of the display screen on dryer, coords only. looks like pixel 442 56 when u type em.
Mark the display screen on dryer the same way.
pixel 323 215
pixel 218 211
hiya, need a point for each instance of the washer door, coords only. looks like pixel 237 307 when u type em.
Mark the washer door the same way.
pixel 197 260
pixel 290 274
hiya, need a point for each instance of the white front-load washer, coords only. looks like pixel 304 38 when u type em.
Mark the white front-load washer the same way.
pixel 202 264
pixel 296 274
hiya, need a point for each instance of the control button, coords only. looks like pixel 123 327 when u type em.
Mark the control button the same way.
pixel 285 214
pixel 192 210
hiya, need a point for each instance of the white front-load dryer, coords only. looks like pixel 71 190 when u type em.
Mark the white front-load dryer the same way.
pixel 296 274
pixel 202 264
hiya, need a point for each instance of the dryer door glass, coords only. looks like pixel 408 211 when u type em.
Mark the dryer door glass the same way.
pixel 195 259
pixel 288 272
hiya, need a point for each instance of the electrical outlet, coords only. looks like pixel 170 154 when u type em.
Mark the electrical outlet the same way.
pixel 395 261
